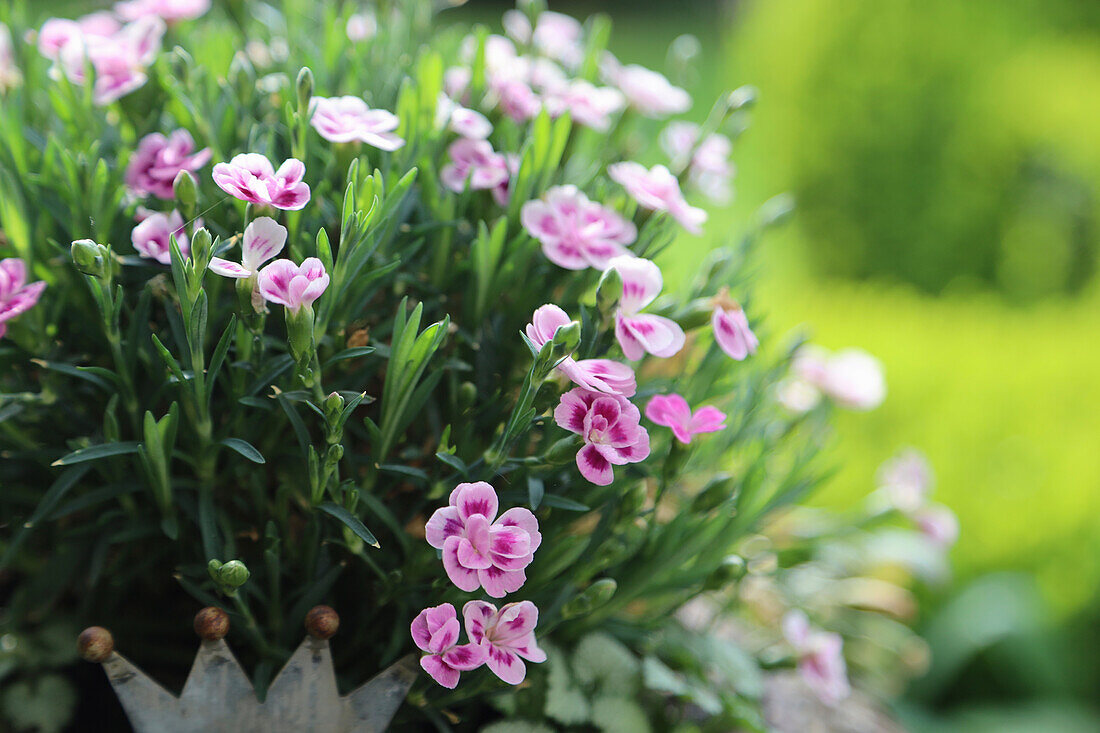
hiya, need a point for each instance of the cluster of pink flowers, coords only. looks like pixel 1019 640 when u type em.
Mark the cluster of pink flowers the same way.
pixel 159 159
pixel 16 294
pixel 251 177
pixel 349 119
pixel 118 58
pixel 820 658
pixel 851 378
pixel 597 375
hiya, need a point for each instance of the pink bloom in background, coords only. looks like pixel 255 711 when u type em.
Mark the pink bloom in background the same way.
pixel 251 177
pixel 797 395
pixel 709 166
pixel 732 332
pixel 610 427
pixel 516 99
pixel 159 159
pixel 576 233
pixel 465 122
pixel 16 296
pixel 658 190
pixel 907 480
pixel 170 10
pixel 10 76
pixel 362 27
pixel 854 379
pixel 151 236
pixel 639 333
pixel 647 91
pixel 456 80
pixel 600 375
pixel 347 119
pixel 556 35
pixel 476 165
pixel 293 286
pixel 938 523
pixel 507 635
pixel 435 631
pixel 118 60
pixel 478 551
pixel 820 658
pixel 263 239
pixel 56 32
pixel 673 411
pixel 587 104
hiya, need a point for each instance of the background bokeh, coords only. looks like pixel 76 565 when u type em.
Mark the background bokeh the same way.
pixel 945 158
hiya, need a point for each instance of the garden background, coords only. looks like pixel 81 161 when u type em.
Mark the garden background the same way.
pixel 945 160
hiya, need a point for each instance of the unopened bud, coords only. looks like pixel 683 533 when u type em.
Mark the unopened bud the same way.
pixel 609 291
pixel 467 395
pixel 187 195
pixel 741 98
pixel 334 405
pixel 562 451
pixel 305 89
pixel 233 574
pixel 717 490
pixel 202 248
pixel 731 569
pixel 299 327
pixel 566 339
pixel 89 257
pixel 594 596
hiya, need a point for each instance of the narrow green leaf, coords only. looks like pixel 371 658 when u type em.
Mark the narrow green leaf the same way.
pixel 95 452
pixel 351 521
pixel 245 448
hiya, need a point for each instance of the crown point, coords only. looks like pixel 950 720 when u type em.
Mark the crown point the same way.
pixel 322 622
pixel 95 644
pixel 211 623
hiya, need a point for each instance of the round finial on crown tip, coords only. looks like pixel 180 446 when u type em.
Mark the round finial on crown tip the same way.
pixel 211 623
pixel 322 622
pixel 95 644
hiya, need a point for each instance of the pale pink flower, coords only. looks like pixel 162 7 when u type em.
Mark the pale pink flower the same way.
pixel 263 239
pixel 118 61
pixel 16 296
pixel 466 123
pixel 171 11
pixel 587 104
pixel 516 98
pixel 475 164
pixel 435 631
pixel 647 91
pixel 797 395
pixel 732 332
pixel 640 333
pixel 609 425
pixel 56 32
pixel 347 119
pixel 479 548
pixel 159 159
pixel 600 375
pixel 293 286
pixel 251 177
pixel 820 658
pixel 657 189
pixel 362 27
pixel 546 76
pixel 938 523
pixel 708 163
pixel 556 35
pixel 673 411
pixel 811 363
pixel 907 480
pixel 507 635
pixel 574 232
pixel 151 236
pixel 456 81
pixel 854 379
pixel 10 76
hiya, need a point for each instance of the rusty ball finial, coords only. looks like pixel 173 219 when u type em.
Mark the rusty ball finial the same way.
pixel 211 623
pixel 95 644
pixel 322 622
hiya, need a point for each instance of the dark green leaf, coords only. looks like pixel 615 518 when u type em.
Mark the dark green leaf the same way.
pixel 351 521
pixel 245 448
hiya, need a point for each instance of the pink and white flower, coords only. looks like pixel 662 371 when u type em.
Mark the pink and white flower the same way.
pixel 731 329
pixel 820 658
pixel 600 375
pixel 251 177
pixel 937 523
pixel 118 60
pixel 906 479
pixel 435 631
pixel 610 427
pixel 56 32
pixel 16 295
pixel 10 76
pixel 556 35
pixel 479 548
pixel 159 159
pixel 171 11
pixel 263 239
pixel 646 90
pixel 476 165
pixel 362 27
pixel 292 286
pixel 640 333
pixel 658 190
pixel 708 163
pixel 507 635
pixel 466 123
pixel 153 233
pixel 516 98
pixel 673 411
pixel 587 104
pixel 854 379
pixel 574 232
pixel 349 119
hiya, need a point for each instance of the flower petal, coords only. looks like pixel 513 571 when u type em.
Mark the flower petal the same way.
pixel 475 498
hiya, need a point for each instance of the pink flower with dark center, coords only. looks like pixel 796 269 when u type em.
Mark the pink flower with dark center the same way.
pixel 610 427
pixel 152 235
pixel 673 411
pixel 507 635
pixel 639 333
pixel 600 375
pixel 479 548
pixel 263 239
pixel 293 286
pixel 476 165
pixel 16 296
pixel 171 11
pixel 708 163
pixel 347 119
pixel 56 32
pixel 658 190
pixel 648 91
pixel 731 329
pixel 435 631
pixel 251 177
pixel 586 103
pixel 118 61
pixel 576 233
pixel 820 658
pixel 159 159
pixel 465 122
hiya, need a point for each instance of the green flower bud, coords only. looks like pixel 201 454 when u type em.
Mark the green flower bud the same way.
pixel 566 340
pixel 717 490
pixel 563 451
pixel 731 569
pixel 233 574
pixel 698 315
pixel 609 291
pixel 334 405
pixel 467 396
pixel 594 596
pixel 214 567
pixel 305 89
pixel 202 248
pixel 741 98
pixel 299 327
pixel 90 257
pixel 187 195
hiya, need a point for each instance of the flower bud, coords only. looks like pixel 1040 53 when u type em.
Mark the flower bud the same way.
pixel 187 196
pixel 467 395
pixel 609 291
pixel 305 89
pixel 717 490
pixel 90 257
pixel 202 248
pixel 299 328
pixel 594 596
pixel 566 340
pixel 563 451
pixel 334 405
pixel 731 569
pixel 233 574
pixel 699 313
pixel 741 98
